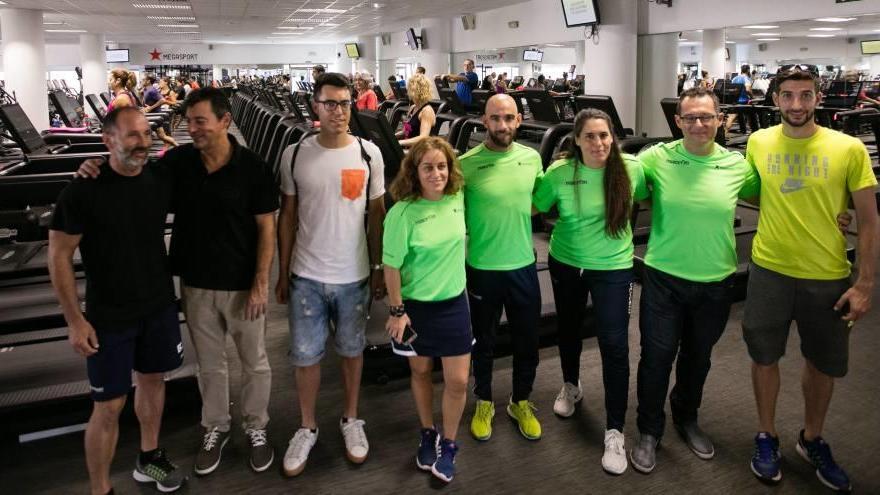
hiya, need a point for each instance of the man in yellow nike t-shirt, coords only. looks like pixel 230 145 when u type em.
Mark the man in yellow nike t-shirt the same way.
pixel 799 269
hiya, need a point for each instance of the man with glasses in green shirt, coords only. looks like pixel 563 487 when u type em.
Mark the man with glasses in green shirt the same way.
pixel 689 269
pixel 500 176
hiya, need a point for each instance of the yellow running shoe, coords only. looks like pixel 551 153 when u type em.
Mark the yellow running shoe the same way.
pixel 481 424
pixel 521 412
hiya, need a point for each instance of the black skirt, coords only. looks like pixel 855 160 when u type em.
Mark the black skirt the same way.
pixel 443 328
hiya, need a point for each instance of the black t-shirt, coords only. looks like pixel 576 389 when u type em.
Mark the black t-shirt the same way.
pixel 181 93
pixel 214 245
pixel 122 223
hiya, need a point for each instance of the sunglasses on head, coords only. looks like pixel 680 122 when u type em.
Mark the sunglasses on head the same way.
pixel 788 69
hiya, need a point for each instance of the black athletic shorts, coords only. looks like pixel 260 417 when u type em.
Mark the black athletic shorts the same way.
pixel 149 345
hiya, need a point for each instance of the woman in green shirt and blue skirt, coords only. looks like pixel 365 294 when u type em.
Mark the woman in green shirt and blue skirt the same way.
pixel 593 186
pixel 424 254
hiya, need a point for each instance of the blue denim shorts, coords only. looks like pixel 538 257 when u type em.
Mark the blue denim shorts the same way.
pixel 316 309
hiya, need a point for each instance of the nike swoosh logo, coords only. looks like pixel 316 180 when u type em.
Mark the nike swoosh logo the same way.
pixel 792 185
pixel 786 189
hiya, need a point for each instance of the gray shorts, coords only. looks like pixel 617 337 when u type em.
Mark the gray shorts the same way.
pixel 775 300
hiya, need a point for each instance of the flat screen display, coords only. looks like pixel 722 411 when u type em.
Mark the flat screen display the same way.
pixel 533 55
pixel 580 12
pixel 411 41
pixel 870 47
pixel 352 50
pixel 117 56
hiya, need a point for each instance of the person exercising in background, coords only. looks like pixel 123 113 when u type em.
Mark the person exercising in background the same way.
pixel 467 82
pixel 744 95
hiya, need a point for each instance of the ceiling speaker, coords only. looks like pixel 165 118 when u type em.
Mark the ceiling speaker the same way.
pixel 469 22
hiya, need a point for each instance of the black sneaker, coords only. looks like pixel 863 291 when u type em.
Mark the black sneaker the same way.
pixel 211 450
pixel 262 453
pixel 160 471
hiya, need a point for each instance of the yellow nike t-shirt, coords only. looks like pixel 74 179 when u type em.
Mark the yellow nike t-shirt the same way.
pixel 805 184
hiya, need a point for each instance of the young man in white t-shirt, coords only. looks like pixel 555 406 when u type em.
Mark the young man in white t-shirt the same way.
pixel 321 227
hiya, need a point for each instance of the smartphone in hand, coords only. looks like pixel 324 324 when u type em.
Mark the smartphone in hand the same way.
pixel 409 335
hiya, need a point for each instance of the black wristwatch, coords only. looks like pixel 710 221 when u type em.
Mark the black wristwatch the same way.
pixel 397 311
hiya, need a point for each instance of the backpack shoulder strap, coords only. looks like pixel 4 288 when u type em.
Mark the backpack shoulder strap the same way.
pixel 296 152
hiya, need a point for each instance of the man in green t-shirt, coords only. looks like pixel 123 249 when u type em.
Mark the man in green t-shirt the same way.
pixel 500 176
pixel 799 268
pixel 689 267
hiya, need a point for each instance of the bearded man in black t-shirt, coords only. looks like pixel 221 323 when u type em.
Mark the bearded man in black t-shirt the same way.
pixel 131 318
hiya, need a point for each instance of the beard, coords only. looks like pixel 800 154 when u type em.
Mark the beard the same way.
pixel 808 117
pixel 128 160
pixel 501 139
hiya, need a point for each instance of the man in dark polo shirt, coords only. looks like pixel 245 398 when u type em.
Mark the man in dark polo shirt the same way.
pixel 224 232
pixel 118 224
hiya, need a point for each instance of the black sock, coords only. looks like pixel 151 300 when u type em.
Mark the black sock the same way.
pixel 146 457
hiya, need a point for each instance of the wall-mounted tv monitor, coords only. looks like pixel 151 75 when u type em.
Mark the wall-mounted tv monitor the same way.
pixel 533 55
pixel 352 50
pixel 870 47
pixel 411 40
pixel 580 12
pixel 117 56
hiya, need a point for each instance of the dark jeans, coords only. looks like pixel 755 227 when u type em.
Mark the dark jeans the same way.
pixel 684 318
pixel 516 292
pixel 611 291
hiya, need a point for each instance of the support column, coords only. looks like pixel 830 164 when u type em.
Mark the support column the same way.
pixel 94 67
pixel 435 57
pixel 730 64
pixel 580 56
pixel 24 55
pixel 385 61
pixel 713 52
pixel 610 65
pixel 367 62
pixel 658 62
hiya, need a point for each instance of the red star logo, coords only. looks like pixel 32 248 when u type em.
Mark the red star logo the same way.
pixel 155 54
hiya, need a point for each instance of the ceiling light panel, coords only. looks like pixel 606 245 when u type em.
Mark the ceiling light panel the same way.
pixel 164 5
pixel 323 11
pixel 171 18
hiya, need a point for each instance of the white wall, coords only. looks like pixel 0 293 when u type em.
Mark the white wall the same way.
pixel 235 54
pixel 805 48
pixel 67 56
pixel 58 56
pixel 540 21
pixel 710 14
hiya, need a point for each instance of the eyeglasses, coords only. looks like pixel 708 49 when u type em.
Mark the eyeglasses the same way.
pixel 704 119
pixel 332 105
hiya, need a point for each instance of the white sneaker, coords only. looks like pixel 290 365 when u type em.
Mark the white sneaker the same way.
pixel 567 398
pixel 356 445
pixel 614 460
pixel 298 451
